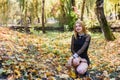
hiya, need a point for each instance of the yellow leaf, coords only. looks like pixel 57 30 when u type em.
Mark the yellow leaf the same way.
pixel 17 72
pixel 59 68
pixel 38 79
pixel 51 78
pixel 49 74
pixel 72 74
pixel 50 55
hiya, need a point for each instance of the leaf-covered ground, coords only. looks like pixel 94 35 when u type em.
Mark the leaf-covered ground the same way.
pixel 36 57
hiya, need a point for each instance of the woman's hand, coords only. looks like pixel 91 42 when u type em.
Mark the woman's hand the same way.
pixel 76 61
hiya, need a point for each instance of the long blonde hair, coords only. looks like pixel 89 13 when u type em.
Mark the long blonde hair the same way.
pixel 83 28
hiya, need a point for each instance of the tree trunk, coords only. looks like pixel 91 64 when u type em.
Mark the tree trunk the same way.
pixel 73 3
pixel 63 13
pixel 116 11
pixel 87 10
pixel 118 15
pixel 82 10
pixel 103 22
pixel 43 24
pixel 25 13
pixel 38 20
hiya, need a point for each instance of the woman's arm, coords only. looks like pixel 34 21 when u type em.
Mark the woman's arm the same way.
pixel 72 45
pixel 85 45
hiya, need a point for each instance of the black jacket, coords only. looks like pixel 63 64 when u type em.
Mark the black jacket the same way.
pixel 80 46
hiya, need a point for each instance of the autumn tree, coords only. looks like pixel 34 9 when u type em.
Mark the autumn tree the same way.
pixel 73 3
pixel 23 10
pixel 36 5
pixel 82 10
pixel 102 20
pixel 4 9
pixel 43 24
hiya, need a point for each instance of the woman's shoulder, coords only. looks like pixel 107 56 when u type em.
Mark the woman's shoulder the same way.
pixel 88 35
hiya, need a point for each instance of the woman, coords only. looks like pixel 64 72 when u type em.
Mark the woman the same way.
pixel 79 47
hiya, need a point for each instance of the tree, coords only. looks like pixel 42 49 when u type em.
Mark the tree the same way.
pixel 35 7
pixel 82 10
pixel 116 7
pixel 24 9
pixel 103 22
pixel 4 10
pixel 73 3
pixel 43 24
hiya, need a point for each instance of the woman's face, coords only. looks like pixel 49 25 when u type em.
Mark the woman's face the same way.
pixel 78 28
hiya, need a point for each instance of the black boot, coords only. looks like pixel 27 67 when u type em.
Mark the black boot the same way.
pixel 84 75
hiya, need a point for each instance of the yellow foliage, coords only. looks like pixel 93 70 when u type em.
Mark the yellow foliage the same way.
pixel 49 74
pixel 38 79
pixel 50 55
pixel 114 1
pixel 72 74
pixel 46 62
pixel 59 68
pixel 18 74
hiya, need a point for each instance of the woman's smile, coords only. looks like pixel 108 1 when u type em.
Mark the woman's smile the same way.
pixel 78 28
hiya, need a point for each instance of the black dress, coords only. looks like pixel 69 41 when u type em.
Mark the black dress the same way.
pixel 80 46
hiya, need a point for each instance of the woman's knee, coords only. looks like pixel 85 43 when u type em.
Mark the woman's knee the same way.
pixel 80 71
pixel 82 68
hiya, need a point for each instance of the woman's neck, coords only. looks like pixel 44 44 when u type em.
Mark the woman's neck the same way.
pixel 81 33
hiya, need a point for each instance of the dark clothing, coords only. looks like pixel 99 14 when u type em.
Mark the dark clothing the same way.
pixel 80 46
